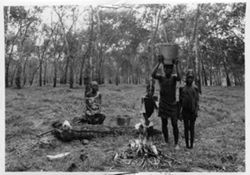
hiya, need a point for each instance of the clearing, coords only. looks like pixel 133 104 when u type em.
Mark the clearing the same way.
pixel 219 141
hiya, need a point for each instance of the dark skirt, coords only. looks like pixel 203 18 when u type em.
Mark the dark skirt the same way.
pixel 168 110
pixel 96 119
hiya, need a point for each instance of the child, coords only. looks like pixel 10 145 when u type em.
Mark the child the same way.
pixel 149 101
pixel 189 99
pixel 148 105
pixel 93 105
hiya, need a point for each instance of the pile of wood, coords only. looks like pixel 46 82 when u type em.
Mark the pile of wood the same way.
pixel 142 152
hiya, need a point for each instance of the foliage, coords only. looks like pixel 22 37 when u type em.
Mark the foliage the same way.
pixel 120 45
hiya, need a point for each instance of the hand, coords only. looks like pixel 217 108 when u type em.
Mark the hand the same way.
pixel 196 113
pixel 147 122
pixel 180 116
pixel 175 61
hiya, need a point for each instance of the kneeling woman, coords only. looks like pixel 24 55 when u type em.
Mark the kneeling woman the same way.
pixel 93 101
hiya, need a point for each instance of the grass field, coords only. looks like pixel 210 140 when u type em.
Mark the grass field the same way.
pixel 219 140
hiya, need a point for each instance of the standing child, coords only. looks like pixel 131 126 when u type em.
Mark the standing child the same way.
pixel 189 99
pixel 148 105
pixel 149 101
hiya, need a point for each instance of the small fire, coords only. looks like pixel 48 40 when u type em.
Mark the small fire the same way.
pixel 142 152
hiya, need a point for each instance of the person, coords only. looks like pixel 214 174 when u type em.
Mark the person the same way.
pixel 189 100
pixel 93 101
pixel 148 106
pixel 148 102
pixel 167 104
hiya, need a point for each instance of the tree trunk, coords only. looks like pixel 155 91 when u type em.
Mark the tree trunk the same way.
pixel 147 67
pixel 210 79
pixel 211 74
pixel 33 76
pixel 197 65
pixel 65 78
pixel 110 81
pixel 99 45
pixel 227 74
pixel 7 66
pixel 81 71
pixel 8 62
pixel 55 68
pixel 81 76
pixel 240 80
pixel 71 78
pixel 55 74
pixel 193 40
pixel 236 82
pixel 40 72
pixel 12 78
pixel 20 51
pixel 32 79
pixel 8 59
pixel 45 73
pixel 204 73
pixel 24 72
pixel 88 72
pixel 99 70
pixel 117 78
pixel 18 76
pixel 219 78
pixel 150 58
pixel 228 80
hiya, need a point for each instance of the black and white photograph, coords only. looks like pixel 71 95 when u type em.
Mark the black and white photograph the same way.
pixel 124 87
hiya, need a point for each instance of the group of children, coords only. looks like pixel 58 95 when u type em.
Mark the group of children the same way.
pixel 186 109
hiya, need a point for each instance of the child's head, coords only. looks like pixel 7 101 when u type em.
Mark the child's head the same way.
pixel 189 77
pixel 94 86
pixel 151 87
pixel 168 69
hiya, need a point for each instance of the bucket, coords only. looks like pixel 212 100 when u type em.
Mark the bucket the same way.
pixel 169 52
pixel 123 121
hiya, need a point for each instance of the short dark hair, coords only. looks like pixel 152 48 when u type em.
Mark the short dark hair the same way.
pixel 190 73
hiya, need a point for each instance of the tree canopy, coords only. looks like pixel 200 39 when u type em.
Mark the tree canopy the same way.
pixel 117 44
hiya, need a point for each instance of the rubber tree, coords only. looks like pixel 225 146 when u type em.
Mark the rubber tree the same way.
pixel 17 17
pixel 67 33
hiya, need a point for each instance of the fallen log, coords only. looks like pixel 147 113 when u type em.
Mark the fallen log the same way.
pixel 69 135
pixel 89 132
